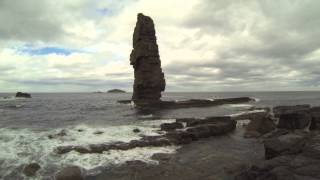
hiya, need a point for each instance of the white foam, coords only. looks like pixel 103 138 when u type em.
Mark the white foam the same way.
pixel 256 99
pixel 10 98
pixel 247 112
pixel 241 105
pixel 23 146
pixel 146 116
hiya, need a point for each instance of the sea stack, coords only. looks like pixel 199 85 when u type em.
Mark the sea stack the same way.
pixel 149 79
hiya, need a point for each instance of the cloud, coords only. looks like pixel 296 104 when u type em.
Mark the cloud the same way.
pixel 221 45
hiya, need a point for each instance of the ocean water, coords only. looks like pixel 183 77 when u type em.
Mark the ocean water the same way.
pixel 26 123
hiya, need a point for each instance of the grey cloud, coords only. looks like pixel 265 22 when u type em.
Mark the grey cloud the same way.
pixel 89 83
pixel 280 37
pixel 28 21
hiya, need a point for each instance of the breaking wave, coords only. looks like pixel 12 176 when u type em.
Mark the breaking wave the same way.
pixel 24 146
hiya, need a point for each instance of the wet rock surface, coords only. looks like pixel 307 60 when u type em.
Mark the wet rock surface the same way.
pixel 290 154
pixel 31 169
pixel 200 128
pixel 304 163
pixel 187 103
pixel 149 79
pixel 295 120
pixel 171 126
pixel 193 161
pixel 71 173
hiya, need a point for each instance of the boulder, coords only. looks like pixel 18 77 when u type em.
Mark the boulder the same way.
pixel 136 130
pixel 171 126
pixel 31 169
pixel 71 173
pixel 23 95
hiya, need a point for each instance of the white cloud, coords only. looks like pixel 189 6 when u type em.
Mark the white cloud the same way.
pixel 214 45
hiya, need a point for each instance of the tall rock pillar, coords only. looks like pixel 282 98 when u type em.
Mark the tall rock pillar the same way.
pixel 149 79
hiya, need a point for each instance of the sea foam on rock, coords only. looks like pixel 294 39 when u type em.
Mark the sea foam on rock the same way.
pixel 199 128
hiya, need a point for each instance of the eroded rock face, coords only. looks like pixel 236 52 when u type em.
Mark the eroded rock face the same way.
pixel 149 79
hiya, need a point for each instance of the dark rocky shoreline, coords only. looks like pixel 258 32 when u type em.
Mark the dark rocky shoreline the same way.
pixel 289 153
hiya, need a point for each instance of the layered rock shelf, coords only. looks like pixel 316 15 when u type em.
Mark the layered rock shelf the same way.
pixel 195 129
pixel 189 103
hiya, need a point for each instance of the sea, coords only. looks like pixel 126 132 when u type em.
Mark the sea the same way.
pixel 26 123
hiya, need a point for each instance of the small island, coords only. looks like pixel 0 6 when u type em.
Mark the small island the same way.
pixel 116 91
pixel 23 95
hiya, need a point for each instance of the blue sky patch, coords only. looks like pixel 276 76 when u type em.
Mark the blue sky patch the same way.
pixel 47 50
pixel 105 11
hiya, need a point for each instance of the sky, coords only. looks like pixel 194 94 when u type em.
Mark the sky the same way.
pixel 205 45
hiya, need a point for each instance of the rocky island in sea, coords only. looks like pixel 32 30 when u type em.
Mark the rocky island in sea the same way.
pixel 116 91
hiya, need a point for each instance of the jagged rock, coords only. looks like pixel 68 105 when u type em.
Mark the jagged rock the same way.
pixel 24 95
pixel 71 173
pixel 31 169
pixel 171 126
pixel 149 79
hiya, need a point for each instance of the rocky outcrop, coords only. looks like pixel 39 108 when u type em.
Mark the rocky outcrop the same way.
pixel 31 169
pixel 149 79
pixel 23 95
pixel 296 120
pixel 315 114
pixel 279 110
pixel 171 126
pixel 293 117
pixel 71 173
pixel 303 161
pixel 198 129
pixel 260 125
pixel 188 103
pixel 287 144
